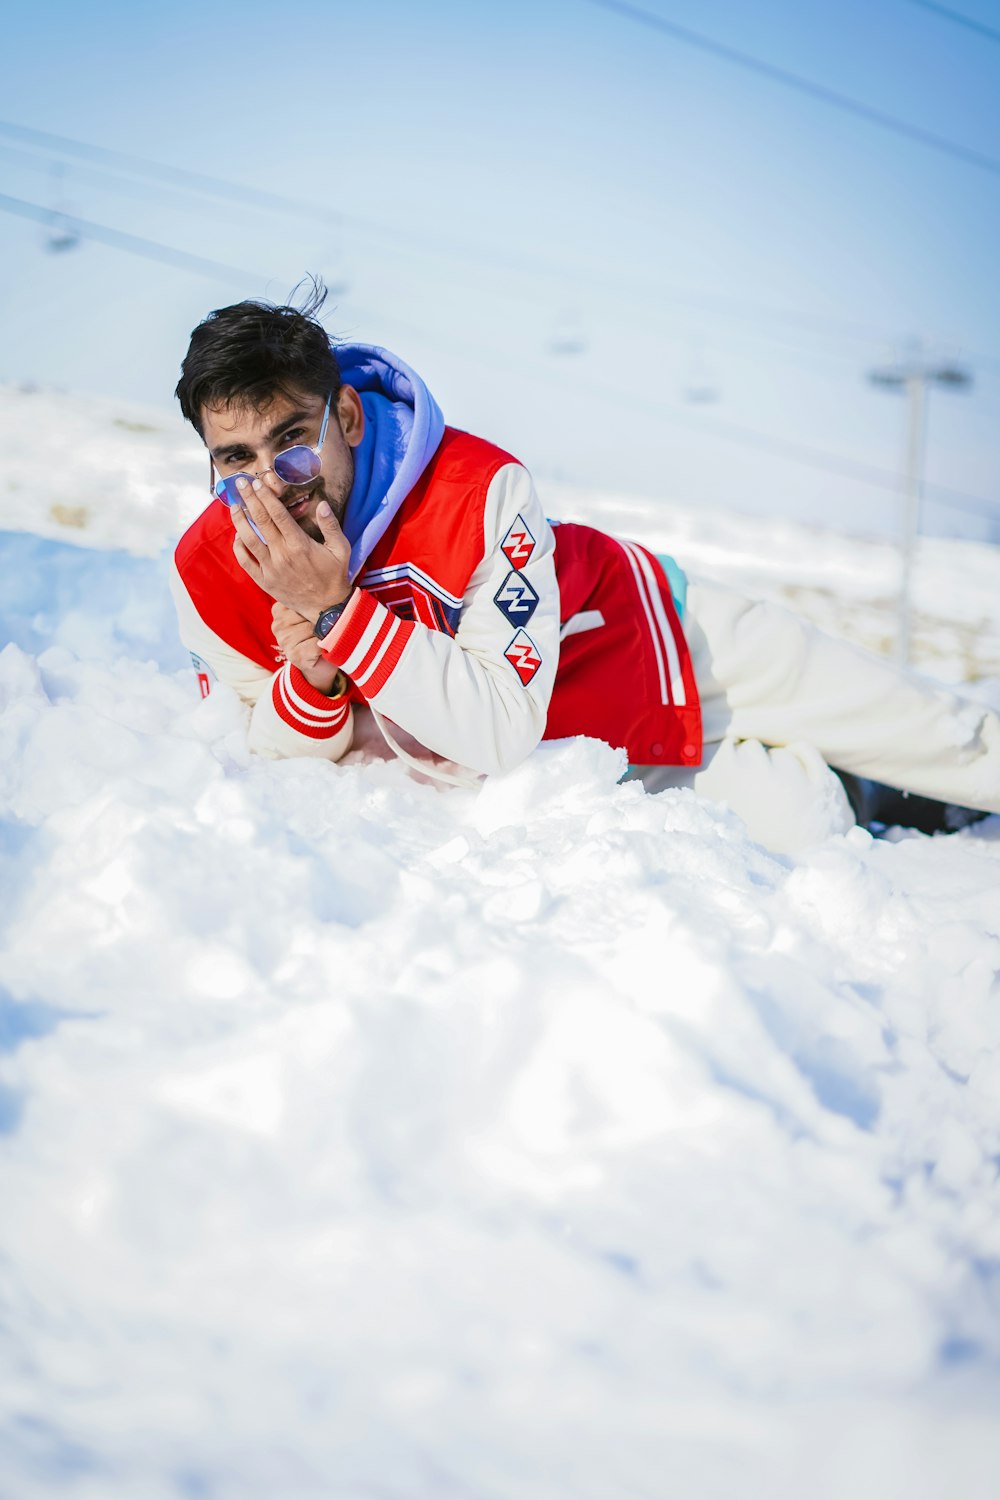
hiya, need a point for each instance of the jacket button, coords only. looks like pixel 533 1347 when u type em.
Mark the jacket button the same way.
pixel 688 752
pixel 656 749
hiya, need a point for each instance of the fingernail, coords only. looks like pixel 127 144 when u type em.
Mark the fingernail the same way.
pixel 323 509
pixel 241 484
pixel 257 485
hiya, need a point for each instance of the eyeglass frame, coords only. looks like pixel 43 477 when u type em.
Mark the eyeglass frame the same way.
pixel 219 489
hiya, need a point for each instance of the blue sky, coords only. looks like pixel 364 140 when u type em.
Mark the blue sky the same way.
pixel 513 178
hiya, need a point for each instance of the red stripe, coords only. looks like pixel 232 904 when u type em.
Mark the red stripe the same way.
pixel 312 695
pixel 333 714
pixel 318 708
pixel 662 594
pixel 318 721
pixel 310 732
pixel 312 729
pixel 388 624
pixel 387 665
pixel 649 614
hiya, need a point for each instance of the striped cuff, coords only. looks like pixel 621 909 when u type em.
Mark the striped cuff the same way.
pixel 367 642
pixel 305 708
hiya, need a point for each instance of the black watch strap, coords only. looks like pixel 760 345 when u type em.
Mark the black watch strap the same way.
pixel 328 618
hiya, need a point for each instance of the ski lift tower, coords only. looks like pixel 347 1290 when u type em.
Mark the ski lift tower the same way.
pixel 913 374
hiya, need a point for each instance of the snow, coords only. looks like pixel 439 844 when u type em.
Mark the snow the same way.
pixel 361 1138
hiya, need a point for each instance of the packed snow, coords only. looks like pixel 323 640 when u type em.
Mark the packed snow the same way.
pixel 367 1140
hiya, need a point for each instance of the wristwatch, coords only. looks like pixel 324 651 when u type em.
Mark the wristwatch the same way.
pixel 329 617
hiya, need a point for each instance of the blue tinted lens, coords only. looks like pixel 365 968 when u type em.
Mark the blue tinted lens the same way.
pixel 297 465
pixel 227 491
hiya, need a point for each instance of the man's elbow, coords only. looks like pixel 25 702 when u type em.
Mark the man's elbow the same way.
pixel 512 742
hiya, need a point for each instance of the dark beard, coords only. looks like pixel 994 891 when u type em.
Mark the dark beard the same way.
pixel 336 502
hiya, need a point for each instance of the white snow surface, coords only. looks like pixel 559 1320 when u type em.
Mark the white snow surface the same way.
pixel 366 1140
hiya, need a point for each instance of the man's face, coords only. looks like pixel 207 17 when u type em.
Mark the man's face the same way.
pixel 242 440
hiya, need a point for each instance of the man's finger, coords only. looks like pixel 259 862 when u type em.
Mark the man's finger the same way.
pixel 268 512
pixel 246 533
pixel 330 527
pixel 294 635
pixel 284 613
pixel 245 557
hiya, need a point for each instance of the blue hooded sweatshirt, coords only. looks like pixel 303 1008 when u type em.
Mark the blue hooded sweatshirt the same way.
pixel 403 429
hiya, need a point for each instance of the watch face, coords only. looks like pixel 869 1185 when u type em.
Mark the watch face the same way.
pixel 328 620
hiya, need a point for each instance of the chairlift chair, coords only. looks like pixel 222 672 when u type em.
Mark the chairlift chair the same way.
pixel 60 235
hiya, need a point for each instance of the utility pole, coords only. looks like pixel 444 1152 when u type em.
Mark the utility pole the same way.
pixel 913 374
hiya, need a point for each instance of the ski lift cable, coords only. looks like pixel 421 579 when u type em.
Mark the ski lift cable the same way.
pixel 713 427
pixel 178 198
pixel 133 243
pixel 790 353
pixel 848 468
pixel 200 182
pixel 714 305
pixel 958 19
pixel 226 190
pixel 761 319
pixel 747 437
pixel 169 255
pixel 223 189
pixel 780 335
pixel 787 79
pixel 774 326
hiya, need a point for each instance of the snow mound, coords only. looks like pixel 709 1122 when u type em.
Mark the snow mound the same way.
pixel 362 1138
pixel 365 1138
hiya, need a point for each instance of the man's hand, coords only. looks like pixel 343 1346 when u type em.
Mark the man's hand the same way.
pixel 306 576
pixel 295 639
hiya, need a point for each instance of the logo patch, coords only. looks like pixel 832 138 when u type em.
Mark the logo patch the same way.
pixel 523 656
pixel 516 599
pixel 413 595
pixel 518 544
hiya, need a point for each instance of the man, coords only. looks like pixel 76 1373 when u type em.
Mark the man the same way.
pixel 369 565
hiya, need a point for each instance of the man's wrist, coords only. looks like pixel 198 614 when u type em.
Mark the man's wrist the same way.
pixel 336 689
pixel 323 678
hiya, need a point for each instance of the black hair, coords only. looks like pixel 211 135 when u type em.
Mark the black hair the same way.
pixel 247 354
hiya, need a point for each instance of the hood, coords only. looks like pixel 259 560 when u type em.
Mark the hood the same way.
pixel 403 429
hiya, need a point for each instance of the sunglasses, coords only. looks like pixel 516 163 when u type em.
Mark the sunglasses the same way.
pixel 293 465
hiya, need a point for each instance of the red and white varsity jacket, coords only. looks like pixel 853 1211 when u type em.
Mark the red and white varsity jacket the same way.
pixel 476 628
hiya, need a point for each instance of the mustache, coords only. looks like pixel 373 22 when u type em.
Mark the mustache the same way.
pixel 298 492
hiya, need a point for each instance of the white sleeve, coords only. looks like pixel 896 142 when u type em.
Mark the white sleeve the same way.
pixel 479 698
pixel 288 715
